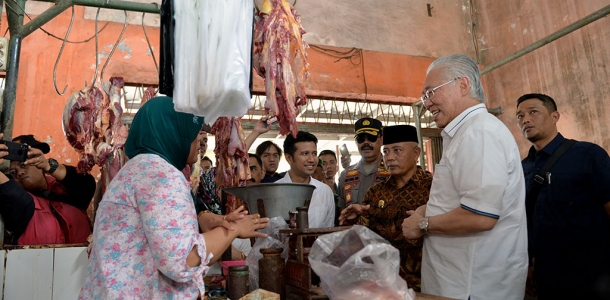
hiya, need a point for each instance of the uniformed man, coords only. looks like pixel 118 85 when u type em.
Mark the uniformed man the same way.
pixel 386 204
pixel 356 179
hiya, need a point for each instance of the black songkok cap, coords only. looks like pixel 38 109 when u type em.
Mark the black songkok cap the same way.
pixel 399 133
pixel 368 125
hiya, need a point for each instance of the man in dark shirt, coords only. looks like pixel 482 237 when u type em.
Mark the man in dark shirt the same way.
pixel 569 230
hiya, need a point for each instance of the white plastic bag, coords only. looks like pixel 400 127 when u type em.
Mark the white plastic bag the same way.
pixel 213 57
pixel 358 264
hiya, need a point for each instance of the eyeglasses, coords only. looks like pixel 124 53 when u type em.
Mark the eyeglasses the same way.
pixel 430 93
pixel 362 136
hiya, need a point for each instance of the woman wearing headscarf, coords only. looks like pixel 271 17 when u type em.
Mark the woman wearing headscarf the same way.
pixel 146 242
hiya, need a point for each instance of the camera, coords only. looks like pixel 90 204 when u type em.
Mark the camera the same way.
pixel 16 151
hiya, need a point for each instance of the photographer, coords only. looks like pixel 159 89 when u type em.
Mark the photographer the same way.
pixel 42 201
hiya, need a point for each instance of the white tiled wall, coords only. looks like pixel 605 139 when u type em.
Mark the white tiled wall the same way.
pixel 29 274
pixel 69 272
pixel 52 273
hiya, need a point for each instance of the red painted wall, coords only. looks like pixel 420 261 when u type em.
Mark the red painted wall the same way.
pixel 39 108
pixel 573 70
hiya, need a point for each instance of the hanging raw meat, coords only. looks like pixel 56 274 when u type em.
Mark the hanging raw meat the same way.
pixel 148 94
pixel 79 124
pixel 280 58
pixel 118 131
pixel 232 168
pixel 116 134
pixel 93 126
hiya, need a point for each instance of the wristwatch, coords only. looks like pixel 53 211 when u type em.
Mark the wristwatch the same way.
pixel 53 164
pixel 423 225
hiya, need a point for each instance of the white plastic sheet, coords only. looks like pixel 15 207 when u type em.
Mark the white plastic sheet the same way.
pixel 358 264
pixel 213 56
pixel 273 240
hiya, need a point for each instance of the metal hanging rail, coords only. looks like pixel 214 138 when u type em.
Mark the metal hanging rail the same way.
pixel 19 31
pixel 549 38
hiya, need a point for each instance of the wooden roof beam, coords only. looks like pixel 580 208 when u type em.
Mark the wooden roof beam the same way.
pixel 390 78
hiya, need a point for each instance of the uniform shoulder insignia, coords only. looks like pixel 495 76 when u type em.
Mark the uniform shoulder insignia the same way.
pixel 352 172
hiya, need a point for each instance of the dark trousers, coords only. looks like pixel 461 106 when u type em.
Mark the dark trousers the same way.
pixel 577 279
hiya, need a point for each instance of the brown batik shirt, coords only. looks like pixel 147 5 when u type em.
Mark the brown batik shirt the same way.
pixel 389 206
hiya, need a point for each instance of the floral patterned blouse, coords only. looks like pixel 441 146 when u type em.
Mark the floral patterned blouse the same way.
pixel 145 227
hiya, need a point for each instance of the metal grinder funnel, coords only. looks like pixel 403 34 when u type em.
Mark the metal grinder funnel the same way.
pixel 273 199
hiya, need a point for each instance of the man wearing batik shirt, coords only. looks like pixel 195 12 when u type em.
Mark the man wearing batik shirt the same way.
pixel 385 205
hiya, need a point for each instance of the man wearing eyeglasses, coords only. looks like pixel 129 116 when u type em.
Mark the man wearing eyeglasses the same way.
pixel 474 225
pixel 356 179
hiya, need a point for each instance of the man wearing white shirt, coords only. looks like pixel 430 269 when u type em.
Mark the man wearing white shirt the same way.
pixel 475 244
pixel 302 155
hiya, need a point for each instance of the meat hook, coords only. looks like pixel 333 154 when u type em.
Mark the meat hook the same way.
pixel 150 48
pixel 148 41
pixel 96 47
pixel 114 48
pixel 61 50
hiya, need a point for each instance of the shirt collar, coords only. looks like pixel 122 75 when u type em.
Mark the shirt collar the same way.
pixel 287 176
pixel 550 147
pixel 360 166
pixel 456 123
pixel 417 178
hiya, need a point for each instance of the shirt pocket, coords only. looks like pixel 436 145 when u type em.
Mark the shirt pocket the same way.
pixel 554 182
pixel 355 195
pixel 443 196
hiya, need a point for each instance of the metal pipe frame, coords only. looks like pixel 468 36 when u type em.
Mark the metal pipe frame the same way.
pixel 549 38
pixel 19 31
pixel 152 8
pixel 417 109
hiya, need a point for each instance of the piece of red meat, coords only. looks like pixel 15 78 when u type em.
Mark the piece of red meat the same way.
pixel 79 116
pixel 280 57
pixel 148 94
pixel 232 168
pixel 118 131
pixel 93 126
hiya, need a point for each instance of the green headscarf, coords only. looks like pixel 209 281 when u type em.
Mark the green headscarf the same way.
pixel 159 129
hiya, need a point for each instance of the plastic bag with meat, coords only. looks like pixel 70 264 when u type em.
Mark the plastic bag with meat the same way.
pixel 358 264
